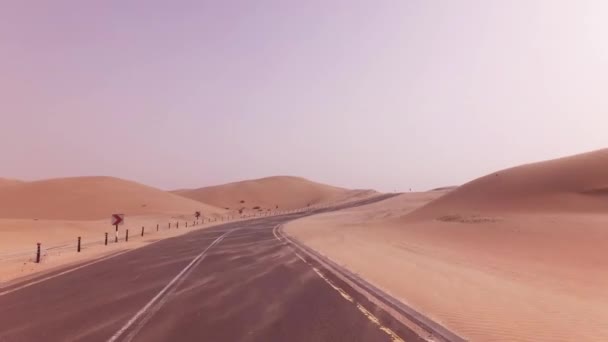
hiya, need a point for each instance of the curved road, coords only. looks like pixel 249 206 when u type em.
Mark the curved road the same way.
pixel 234 282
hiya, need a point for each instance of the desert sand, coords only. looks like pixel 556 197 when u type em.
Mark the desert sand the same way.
pixel 56 212
pixel 279 192
pixel 86 198
pixel 8 181
pixel 517 255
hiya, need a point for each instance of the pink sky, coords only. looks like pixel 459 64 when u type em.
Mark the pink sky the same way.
pixel 366 94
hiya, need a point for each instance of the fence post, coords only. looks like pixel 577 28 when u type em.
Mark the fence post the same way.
pixel 38 253
pixel 78 245
pixel 127 236
pixel 106 243
pixel 142 230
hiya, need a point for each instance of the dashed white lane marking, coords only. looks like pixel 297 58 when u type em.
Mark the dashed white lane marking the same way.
pixel 301 257
pixel 340 291
pixel 61 273
pixel 394 337
pixel 159 295
pixel 376 321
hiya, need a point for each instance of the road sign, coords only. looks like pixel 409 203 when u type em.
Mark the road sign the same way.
pixel 118 219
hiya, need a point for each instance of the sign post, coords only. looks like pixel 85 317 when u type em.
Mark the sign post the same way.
pixel 117 219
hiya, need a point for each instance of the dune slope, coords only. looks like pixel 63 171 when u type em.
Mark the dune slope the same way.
pixel 86 198
pixel 283 192
pixel 572 184
pixel 8 181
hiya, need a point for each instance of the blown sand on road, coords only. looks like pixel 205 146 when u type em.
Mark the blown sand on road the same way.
pixel 284 192
pixel 518 255
pixel 56 211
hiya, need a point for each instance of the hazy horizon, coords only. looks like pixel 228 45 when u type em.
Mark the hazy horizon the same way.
pixel 388 95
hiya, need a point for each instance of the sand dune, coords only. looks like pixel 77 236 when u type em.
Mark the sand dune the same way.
pixel 55 212
pixel 283 192
pixel 87 198
pixel 572 184
pixel 445 188
pixel 8 181
pixel 518 255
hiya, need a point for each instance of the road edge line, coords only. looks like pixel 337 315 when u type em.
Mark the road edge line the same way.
pixel 433 328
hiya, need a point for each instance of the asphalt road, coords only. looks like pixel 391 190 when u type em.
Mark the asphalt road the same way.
pixel 234 282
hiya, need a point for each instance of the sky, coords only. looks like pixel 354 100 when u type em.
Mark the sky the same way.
pixel 389 95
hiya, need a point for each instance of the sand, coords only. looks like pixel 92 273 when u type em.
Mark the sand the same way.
pixel 518 255
pixel 572 184
pixel 8 181
pixel 56 212
pixel 91 198
pixel 60 240
pixel 282 192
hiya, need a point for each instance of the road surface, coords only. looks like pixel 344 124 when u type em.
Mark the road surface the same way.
pixel 234 282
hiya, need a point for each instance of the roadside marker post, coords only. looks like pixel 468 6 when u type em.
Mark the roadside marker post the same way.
pixel 38 253
pixel 127 236
pixel 78 249
pixel 117 219
pixel 186 224
pixel 106 243
pixel 177 224
pixel 142 230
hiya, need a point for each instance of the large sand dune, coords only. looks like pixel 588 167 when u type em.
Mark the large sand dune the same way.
pixel 55 212
pixel 283 192
pixel 87 198
pixel 518 255
pixel 572 184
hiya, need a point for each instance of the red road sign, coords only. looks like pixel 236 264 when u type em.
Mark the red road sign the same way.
pixel 118 219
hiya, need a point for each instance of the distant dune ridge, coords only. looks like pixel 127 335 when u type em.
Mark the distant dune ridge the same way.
pixel 286 192
pixel 445 188
pixel 8 181
pixel 572 184
pixel 87 198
